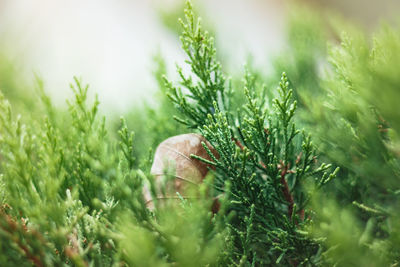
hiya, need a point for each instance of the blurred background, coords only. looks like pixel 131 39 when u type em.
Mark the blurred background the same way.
pixel 111 44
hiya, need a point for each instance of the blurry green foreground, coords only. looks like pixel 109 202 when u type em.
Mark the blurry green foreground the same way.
pixel 71 180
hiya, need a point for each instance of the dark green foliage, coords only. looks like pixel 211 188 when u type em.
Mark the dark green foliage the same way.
pixel 263 163
pixel 209 85
pixel 353 117
pixel 71 189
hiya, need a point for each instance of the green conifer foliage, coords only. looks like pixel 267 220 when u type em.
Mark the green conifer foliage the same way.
pixel 71 189
pixel 355 123
pixel 263 162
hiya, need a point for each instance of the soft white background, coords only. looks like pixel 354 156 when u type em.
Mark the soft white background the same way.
pixel 110 44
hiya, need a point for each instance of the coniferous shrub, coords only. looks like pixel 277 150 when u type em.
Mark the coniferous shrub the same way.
pixel 355 123
pixel 71 187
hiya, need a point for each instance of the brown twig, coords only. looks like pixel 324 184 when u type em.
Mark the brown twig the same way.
pixel 285 187
pixel 237 142
pixel 13 226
